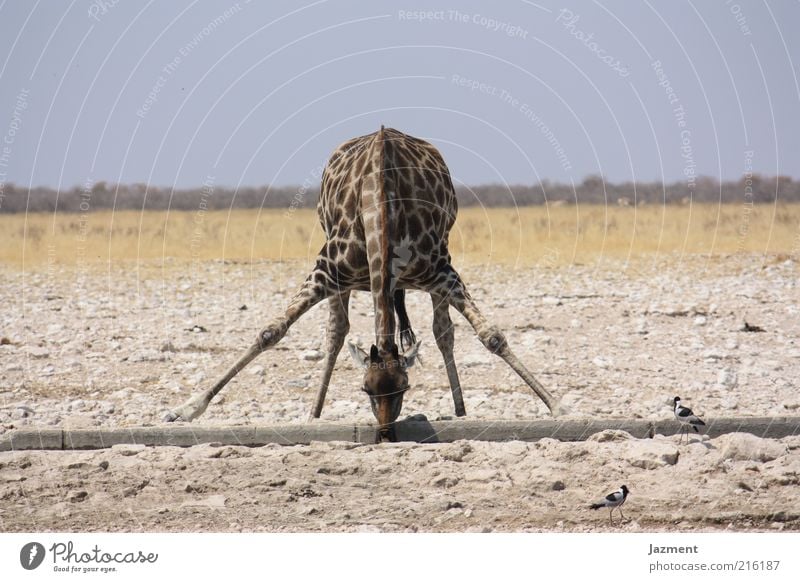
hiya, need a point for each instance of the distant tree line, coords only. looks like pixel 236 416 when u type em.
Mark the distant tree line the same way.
pixel 754 189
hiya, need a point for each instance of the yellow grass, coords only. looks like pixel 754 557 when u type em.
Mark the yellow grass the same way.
pixel 554 235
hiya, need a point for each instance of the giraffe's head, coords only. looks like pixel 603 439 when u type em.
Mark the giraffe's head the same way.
pixel 385 382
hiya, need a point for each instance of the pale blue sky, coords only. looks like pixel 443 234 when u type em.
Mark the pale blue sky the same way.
pixel 262 94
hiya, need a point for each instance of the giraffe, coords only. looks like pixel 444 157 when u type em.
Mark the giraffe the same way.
pixel 386 205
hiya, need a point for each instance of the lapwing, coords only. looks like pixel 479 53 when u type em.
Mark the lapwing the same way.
pixel 613 501
pixel 687 419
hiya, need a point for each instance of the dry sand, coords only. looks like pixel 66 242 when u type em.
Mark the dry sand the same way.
pixel 84 347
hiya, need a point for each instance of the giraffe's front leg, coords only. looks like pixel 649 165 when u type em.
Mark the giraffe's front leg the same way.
pixel 444 335
pixel 338 327
pixel 314 289
pixel 492 338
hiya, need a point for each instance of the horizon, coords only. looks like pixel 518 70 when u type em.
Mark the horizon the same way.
pixel 515 93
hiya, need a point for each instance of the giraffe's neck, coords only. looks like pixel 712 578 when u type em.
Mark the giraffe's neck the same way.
pixel 382 283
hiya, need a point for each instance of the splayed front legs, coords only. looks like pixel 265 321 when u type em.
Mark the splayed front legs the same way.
pixel 312 292
pixel 338 327
pixel 445 338
pixel 492 338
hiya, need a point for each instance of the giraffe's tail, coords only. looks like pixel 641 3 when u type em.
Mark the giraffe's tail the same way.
pixel 407 336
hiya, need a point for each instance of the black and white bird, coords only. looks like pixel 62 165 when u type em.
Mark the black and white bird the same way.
pixel 687 418
pixel 613 501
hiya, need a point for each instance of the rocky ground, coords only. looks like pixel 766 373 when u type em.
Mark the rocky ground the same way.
pixel 85 347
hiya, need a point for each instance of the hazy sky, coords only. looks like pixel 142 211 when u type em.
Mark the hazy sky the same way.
pixel 180 92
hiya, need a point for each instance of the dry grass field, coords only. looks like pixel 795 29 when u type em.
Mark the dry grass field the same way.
pixel 552 235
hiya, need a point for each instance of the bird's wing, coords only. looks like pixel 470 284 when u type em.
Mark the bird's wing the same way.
pixel 684 412
pixel 612 497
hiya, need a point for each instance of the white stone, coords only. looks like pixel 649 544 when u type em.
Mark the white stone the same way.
pixel 728 378
pixel 601 362
pixel 312 355
pixel 38 352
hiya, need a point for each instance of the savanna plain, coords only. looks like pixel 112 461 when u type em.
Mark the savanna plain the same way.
pixel 110 319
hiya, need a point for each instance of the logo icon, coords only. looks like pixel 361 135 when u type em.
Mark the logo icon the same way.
pixel 31 555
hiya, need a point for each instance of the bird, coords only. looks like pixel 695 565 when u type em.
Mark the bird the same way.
pixel 613 501
pixel 687 419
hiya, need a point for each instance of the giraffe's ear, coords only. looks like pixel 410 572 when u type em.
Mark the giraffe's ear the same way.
pixel 360 357
pixel 411 355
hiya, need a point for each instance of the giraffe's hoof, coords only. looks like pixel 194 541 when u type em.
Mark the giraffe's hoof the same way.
pixel 172 416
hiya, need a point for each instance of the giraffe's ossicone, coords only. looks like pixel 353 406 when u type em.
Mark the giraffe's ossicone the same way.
pixel 386 205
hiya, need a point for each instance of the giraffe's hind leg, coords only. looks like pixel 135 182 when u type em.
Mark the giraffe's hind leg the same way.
pixel 316 287
pixel 407 337
pixel 338 327
pixel 445 336
pixel 452 287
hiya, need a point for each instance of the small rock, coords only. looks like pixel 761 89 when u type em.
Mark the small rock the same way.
pixel 11 477
pixel 38 352
pixel 128 450
pixel 455 451
pixel 78 496
pixel 20 412
pixel 482 475
pixel 728 378
pixel 148 356
pixel 312 355
pixel 445 481
pixel 610 435
pixel 700 320
pixel 558 486
pixel 196 379
pixel 257 371
pixel 602 362
pixel 300 383
pixel 472 360
pixel 103 465
pixel 746 327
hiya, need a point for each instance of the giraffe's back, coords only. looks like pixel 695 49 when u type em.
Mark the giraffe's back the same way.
pixel 387 192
